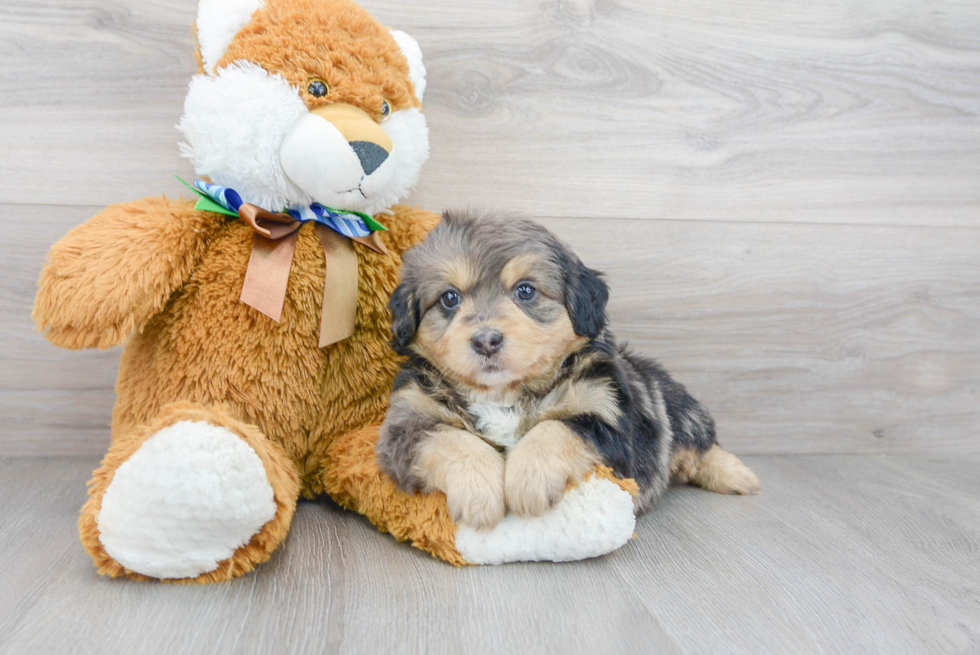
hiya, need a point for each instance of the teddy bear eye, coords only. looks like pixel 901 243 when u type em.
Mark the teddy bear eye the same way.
pixel 385 109
pixel 317 88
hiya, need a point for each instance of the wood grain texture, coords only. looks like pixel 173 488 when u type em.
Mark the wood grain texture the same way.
pixel 755 110
pixel 804 338
pixel 52 401
pixel 844 554
pixel 597 117
pixel 800 338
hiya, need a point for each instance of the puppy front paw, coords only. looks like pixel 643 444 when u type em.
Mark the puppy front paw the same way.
pixel 475 491
pixel 541 466
pixel 468 470
pixel 533 484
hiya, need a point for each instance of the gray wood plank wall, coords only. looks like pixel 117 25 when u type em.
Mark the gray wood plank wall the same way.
pixel 786 195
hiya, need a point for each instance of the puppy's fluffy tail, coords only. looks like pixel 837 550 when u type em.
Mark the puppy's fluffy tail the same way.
pixel 715 469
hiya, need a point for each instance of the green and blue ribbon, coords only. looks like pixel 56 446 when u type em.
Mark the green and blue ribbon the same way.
pixel 347 222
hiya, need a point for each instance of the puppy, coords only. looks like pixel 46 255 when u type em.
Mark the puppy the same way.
pixel 513 388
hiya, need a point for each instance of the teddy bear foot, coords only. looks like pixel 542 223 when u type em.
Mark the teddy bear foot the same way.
pixel 594 518
pixel 192 499
pixel 186 500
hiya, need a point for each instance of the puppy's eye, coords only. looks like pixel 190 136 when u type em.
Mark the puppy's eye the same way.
pixel 449 299
pixel 317 88
pixel 525 291
pixel 385 109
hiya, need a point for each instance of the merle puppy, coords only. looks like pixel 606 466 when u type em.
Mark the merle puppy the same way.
pixel 513 387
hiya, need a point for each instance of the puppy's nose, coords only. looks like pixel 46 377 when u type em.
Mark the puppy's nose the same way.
pixel 371 155
pixel 487 341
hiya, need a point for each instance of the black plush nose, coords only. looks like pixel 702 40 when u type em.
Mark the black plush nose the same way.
pixel 371 155
pixel 486 342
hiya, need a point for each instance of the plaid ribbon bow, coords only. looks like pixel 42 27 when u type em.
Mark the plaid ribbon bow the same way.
pixel 274 243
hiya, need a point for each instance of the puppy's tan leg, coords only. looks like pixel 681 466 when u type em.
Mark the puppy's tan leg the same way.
pixel 542 464
pixel 468 470
pixel 716 470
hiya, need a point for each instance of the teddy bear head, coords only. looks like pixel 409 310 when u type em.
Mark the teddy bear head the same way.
pixel 303 101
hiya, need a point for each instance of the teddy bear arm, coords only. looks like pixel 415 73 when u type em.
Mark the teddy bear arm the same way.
pixel 109 275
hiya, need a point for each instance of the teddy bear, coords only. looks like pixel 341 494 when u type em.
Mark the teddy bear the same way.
pixel 257 365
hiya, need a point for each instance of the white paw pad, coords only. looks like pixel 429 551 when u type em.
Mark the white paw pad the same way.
pixel 593 519
pixel 185 501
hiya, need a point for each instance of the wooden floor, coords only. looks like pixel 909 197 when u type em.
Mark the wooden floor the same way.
pixel 839 554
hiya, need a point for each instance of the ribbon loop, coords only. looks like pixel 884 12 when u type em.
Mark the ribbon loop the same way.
pixel 269 225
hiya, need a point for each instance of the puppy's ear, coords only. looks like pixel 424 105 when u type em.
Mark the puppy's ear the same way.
pixel 586 295
pixel 404 317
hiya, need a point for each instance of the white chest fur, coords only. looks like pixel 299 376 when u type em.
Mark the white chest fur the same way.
pixel 497 423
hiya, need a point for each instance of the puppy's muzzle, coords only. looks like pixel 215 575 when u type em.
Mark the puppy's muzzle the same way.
pixel 487 341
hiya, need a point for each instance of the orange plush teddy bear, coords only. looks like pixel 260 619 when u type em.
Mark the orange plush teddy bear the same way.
pixel 257 365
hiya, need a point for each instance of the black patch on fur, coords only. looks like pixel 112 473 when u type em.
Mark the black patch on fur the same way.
pixel 586 295
pixel 405 317
pixel 692 425
pixel 631 446
pixel 634 445
pixel 411 372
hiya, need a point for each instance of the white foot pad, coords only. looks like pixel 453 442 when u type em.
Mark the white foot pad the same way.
pixel 593 519
pixel 192 494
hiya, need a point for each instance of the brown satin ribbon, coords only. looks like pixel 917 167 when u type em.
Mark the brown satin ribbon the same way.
pixel 267 274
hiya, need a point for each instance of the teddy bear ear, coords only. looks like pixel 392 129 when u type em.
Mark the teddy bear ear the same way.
pixel 218 21
pixel 413 53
